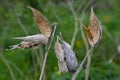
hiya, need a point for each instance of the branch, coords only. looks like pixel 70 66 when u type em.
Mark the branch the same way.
pixel 112 57
pixel 8 66
pixel 21 73
pixel 87 70
pixel 76 23
pixel 34 65
pixel 81 65
pixel 47 50
pixel 19 21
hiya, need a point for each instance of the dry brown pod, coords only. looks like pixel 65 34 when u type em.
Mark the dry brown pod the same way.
pixel 42 22
pixel 94 30
pixel 35 40
pixel 61 57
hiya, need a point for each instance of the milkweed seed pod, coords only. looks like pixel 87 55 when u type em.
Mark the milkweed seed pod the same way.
pixel 60 56
pixel 94 30
pixel 31 41
pixel 42 22
pixel 35 40
pixel 70 57
pixel 24 45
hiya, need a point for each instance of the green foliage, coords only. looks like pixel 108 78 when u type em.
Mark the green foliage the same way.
pixel 104 71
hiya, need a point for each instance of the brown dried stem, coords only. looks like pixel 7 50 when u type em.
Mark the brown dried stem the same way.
pixel 82 63
pixel 21 73
pixel 87 70
pixel 47 50
pixel 76 23
pixel 19 21
pixel 82 34
pixel 8 66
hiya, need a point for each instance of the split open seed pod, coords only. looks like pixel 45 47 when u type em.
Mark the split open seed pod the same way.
pixel 61 57
pixel 35 40
pixel 42 22
pixel 94 30
pixel 31 41
pixel 70 56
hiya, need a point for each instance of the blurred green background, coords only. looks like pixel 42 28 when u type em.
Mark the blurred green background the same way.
pixel 17 20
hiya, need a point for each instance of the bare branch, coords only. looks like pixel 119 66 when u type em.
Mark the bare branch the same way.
pixel 8 66
pixel 87 70
pixel 20 22
pixel 76 23
pixel 47 50
pixel 21 73
pixel 81 65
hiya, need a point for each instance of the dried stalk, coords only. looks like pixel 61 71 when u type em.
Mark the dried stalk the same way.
pixel 47 50
pixel 81 65
pixel 19 21
pixel 76 24
pixel 21 73
pixel 87 48
pixel 83 36
pixel 8 66
pixel 34 65
pixel 112 57
pixel 87 70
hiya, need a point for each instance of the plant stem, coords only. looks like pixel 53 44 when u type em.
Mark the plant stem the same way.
pixel 8 66
pixel 81 65
pixel 46 53
pixel 87 70
pixel 76 23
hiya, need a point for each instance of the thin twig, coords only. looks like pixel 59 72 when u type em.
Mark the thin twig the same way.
pixel 8 66
pixel 21 73
pixel 81 65
pixel 47 50
pixel 34 65
pixel 71 8
pixel 112 57
pixel 76 23
pixel 19 21
pixel 74 34
pixel 83 2
pixel 41 61
pixel 87 48
pixel 87 70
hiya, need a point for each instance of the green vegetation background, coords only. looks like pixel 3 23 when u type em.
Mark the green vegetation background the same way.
pixel 17 20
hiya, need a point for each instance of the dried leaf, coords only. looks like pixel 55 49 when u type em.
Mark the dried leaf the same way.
pixel 94 30
pixel 31 41
pixel 42 22
pixel 60 56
